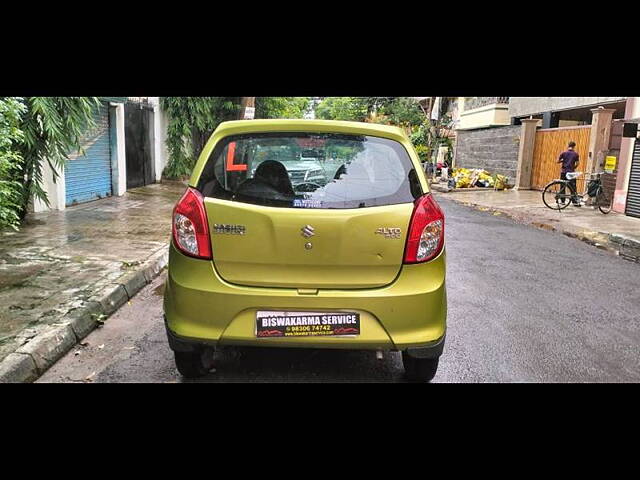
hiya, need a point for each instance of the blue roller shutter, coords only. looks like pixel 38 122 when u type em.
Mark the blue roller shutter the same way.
pixel 88 176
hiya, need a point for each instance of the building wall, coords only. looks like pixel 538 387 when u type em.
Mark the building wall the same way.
pixel 159 137
pixel 521 106
pixel 487 116
pixel 56 189
pixel 158 132
pixel 493 149
pixel 625 159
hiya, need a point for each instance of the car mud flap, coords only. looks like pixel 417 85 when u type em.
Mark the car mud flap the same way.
pixel 433 350
pixel 178 344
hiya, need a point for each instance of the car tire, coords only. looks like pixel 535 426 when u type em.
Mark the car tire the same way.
pixel 194 364
pixel 419 369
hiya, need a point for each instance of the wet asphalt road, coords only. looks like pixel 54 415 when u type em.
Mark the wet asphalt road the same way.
pixel 525 305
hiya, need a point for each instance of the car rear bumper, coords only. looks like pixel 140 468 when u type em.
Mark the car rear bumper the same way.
pixel 180 344
pixel 409 314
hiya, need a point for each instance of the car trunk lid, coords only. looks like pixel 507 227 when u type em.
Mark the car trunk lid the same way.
pixel 266 246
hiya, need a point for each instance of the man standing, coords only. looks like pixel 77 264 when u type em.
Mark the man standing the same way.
pixel 569 160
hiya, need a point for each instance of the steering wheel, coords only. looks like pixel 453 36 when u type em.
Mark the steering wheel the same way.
pixel 307 187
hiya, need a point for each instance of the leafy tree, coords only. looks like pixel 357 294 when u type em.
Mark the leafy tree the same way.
pixel 37 131
pixel 356 109
pixel 11 110
pixel 192 120
pixel 343 108
pixel 426 134
pixel 404 112
pixel 53 128
pixel 430 136
pixel 281 107
pixel 376 105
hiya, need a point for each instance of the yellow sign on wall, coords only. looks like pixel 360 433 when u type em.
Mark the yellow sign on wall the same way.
pixel 610 164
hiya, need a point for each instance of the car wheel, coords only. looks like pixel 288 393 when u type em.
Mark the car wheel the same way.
pixel 194 364
pixel 419 369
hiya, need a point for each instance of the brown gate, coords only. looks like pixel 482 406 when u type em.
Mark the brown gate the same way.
pixel 550 143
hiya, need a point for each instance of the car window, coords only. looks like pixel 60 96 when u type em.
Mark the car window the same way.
pixel 305 170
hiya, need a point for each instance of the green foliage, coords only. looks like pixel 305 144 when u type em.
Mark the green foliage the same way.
pixel 281 107
pixel 35 131
pixel 53 128
pixel 355 109
pixel 404 112
pixel 191 121
pixel 11 110
pixel 426 135
pixel 447 142
pixel 420 134
pixel 343 108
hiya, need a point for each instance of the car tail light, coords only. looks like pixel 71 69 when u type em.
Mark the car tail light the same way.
pixel 426 231
pixel 190 227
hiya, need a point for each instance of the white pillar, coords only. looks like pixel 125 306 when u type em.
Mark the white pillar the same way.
pixel 159 137
pixel 55 191
pixel 119 167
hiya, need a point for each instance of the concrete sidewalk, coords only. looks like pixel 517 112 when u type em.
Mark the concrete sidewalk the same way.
pixel 64 272
pixel 618 233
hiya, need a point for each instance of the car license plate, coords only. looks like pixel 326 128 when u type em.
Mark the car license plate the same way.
pixel 306 324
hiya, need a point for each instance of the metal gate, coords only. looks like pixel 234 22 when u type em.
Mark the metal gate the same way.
pixel 88 176
pixel 633 196
pixel 137 124
pixel 550 143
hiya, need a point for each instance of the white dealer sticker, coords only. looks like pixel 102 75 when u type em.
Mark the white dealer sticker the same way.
pixel 249 113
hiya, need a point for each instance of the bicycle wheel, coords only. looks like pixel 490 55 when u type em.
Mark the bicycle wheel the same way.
pixel 604 203
pixel 557 195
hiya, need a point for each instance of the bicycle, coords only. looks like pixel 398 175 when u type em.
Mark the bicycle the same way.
pixel 555 194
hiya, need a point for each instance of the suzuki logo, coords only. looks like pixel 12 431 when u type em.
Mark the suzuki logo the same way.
pixel 307 231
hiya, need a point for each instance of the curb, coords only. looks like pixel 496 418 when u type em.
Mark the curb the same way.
pixel 624 240
pixel 615 243
pixel 31 360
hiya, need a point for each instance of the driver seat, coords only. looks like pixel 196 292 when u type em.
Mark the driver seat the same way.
pixel 275 174
pixel 271 178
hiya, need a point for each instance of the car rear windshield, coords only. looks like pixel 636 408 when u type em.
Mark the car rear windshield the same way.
pixel 308 170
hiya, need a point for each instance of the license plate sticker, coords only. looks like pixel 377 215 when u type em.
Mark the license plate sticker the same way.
pixel 306 324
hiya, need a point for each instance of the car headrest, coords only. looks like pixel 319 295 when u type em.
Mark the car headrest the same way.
pixel 275 174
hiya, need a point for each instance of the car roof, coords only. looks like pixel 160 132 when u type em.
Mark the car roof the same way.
pixel 236 127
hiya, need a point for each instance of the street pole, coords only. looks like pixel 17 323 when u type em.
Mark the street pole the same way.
pixel 247 108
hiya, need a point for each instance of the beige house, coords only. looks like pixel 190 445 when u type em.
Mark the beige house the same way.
pixel 485 138
pixel 482 112
pixel 559 112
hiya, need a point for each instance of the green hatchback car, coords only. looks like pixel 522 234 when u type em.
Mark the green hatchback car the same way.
pixel 354 262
